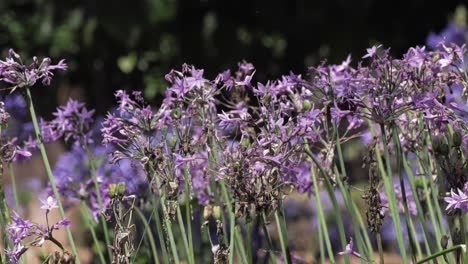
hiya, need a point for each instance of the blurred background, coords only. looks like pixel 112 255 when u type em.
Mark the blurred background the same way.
pixel 112 45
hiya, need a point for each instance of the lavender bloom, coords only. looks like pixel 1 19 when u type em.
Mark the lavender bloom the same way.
pixel 72 121
pixel 49 203
pixel 25 234
pixel 13 71
pixel 457 200
pixel 350 250
pixel 73 177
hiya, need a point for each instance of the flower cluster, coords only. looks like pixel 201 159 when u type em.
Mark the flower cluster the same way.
pixel 25 234
pixel 458 200
pixel 13 71
pixel 72 121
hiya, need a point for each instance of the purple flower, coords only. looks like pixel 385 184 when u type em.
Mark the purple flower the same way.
pixel 350 249
pixel 457 200
pixel 49 203
pixel 371 52
pixel 13 71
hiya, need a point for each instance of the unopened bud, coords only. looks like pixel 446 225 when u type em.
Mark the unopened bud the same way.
pixel 245 142
pixel 306 105
pixel 173 142
pixel 457 139
pixel 217 212
pixel 112 190
pixel 176 113
pixel 444 241
pixel 121 188
pixel 164 131
pixel 207 212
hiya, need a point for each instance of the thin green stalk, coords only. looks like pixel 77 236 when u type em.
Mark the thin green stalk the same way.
pixel 409 225
pixel 149 234
pixel 159 228
pixel 389 189
pixel 184 235
pixel 99 198
pixel 363 244
pixel 443 252
pixel 268 238
pixel 420 213
pixel 379 245
pixel 283 233
pixel 49 171
pixel 232 219
pixel 321 216
pixel 349 201
pixel 4 210
pixel 321 244
pixel 13 186
pixel 188 212
pixel 87 219
pixel 248 231
pixel 240 244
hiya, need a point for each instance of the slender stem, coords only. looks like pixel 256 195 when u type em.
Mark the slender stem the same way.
pixel 149 234
pixel 88 220
pixel 349 202
pixel 409 225
pixel 184 235
pixel 160 229
pixel 321 216
pixel 321 244
pixel 248 231
pixel 49 171
pixel 390 191
pixel 4 210
pixel 99 198
pixel 188 212
pixel 379 245
pixel 268 238
pixel 13 186
pixel 283 233
pixel 443 252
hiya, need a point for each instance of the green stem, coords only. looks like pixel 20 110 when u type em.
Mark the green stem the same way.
pixel 390 191
pixel 49 171
pixel 248 230
pixel 283 233
pixel 88 220
pixel 149 234
pixel 409 225
pixel 350 203
pixel 184 235
pixel 13 186
pixel 443 252
pixel 99 198
pixel 160 229
pixel 188 213
pixel 268 238
pixel 321 216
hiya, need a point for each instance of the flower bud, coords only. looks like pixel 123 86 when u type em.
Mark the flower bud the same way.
pixel 164 131
pixel 173 142
pixel 306 105
pixel 444 149
pixel 457 139
pixel 112 190
pixel 121 188
pixel 176 113
pixel 207 212
pixel 245 142
pixel 444 241
pixel 217 212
